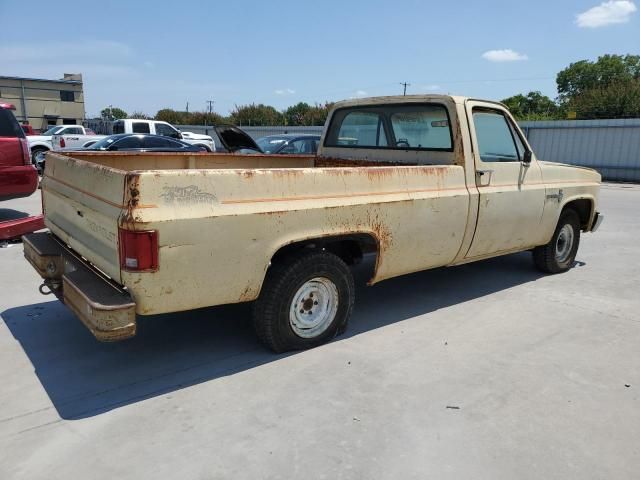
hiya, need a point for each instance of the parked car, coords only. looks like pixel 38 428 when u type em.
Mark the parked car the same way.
pixel 131 142
pixel 132 125
pixel 18 177
pixel 294 144
pixel 40 144
pixel 419 181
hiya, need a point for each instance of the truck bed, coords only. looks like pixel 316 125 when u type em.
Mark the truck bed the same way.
pixel 220 218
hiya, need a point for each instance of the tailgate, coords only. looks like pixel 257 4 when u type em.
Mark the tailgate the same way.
pixel 83 202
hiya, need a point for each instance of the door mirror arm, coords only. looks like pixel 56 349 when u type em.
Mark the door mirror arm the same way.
pixel 526 160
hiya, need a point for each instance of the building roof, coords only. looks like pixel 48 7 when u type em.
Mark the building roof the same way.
pixel 73 82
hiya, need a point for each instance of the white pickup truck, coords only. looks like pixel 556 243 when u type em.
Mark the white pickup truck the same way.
pixel 40 144
pixel 132 125
pixel 418 181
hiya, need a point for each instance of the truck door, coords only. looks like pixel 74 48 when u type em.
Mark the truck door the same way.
pixel 511 191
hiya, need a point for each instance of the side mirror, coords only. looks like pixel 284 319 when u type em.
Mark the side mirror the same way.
pixel 528 154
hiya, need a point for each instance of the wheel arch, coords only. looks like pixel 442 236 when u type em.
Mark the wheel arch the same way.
pixel 584 206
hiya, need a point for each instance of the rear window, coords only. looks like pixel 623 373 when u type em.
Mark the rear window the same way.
pixel 9 126
pixel 400 127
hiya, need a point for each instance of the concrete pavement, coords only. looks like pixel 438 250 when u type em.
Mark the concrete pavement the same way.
pixel 485 371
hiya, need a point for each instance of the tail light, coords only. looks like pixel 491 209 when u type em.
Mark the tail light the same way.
pixel 62 143
pixel 26 156
pixel 138 250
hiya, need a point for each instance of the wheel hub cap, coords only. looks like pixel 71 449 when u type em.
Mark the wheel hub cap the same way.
pixel 564 243
pixel 314 307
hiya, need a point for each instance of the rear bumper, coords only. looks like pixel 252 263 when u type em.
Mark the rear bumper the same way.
pixel 105 308
pixel 597 221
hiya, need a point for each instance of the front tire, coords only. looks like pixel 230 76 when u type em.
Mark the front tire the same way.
pixel 559 254
pixel 306 300
pixel 35 152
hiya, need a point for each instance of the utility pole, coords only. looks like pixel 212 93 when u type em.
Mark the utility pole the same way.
pixel 210 102
pixel 187 107
pixel 405 85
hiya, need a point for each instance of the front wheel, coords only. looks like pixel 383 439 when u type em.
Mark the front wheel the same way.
pixel 559 254
pixel 306 300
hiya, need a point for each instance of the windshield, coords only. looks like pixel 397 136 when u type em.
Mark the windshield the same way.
pixel 103 143
pixel 53 130
pixel 270 144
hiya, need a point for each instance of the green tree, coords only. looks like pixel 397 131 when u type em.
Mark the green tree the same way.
pixel 140 115
pixel 533 106
pixel 616 100
pixel 585 75
pixel 113 113
pixel 305 114
pixel 259 115
pixel 171 116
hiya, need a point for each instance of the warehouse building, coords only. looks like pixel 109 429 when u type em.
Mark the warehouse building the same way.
pixel 43 103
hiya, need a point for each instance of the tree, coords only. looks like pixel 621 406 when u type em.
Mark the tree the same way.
pixel 586 75
pixel 260 115
pixel 533 106
pixel 113 113
pixel 170 116
pixel 617 100
pixel 305 114
pixel 140 115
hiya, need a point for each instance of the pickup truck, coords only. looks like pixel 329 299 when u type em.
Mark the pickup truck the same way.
pixel 40 144
pixel 129 125
pixel 418 181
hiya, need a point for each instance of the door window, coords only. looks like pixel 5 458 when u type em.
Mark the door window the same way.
pixel 133 141
pixel 166 130
pixel 495 137
pixel 159 142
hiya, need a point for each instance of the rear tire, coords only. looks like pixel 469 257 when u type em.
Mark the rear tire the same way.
pixel 559 254
pixel 306 300
pixel 34 153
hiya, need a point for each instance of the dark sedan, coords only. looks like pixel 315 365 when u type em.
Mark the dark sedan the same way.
pixel 132 142
pixel 291 143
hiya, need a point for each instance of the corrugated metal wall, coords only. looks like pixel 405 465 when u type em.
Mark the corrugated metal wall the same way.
pixel 610 146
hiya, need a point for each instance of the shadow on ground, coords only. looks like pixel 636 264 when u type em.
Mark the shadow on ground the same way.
pixel 11 214
pixel 84 377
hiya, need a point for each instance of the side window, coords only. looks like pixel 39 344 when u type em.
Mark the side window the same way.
pixel 424 127
pixel 301 146
pixel 159 142
pixel 73 131
pixel 519 145
pixel 118 127
pixel 495 139
pixel 132 141
pixel 140 127
pixel 364 129
pixel 166 130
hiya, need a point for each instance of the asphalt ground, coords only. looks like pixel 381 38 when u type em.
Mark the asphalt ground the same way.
pixel 489 370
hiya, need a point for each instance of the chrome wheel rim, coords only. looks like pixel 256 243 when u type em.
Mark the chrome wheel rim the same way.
pixel 564 243
pixel 314 307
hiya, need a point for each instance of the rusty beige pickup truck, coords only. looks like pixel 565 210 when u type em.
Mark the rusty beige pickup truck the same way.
pixel 418 181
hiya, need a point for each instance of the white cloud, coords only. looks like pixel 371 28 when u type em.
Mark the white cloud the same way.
pixel 607 13
pixel 506 55
pixel 360 93
pixel 431 88
pixel 284 91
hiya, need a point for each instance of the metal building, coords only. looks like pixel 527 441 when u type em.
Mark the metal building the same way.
pixel 42 103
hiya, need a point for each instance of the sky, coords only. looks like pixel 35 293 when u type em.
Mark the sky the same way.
pixel 147 55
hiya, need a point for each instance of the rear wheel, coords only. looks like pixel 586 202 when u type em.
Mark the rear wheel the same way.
pixel 37 156
pixel 559 254
pixel 306 300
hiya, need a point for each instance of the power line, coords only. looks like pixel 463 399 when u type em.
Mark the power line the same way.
pixel 404 84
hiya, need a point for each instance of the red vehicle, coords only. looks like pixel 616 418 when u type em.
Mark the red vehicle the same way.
pixel 18 176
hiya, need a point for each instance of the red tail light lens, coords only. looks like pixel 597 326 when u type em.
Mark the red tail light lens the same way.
pixel 26 156
pixel 138 250
pixel 62 143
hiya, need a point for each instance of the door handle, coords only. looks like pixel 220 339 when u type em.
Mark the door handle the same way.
pixel 480 173
pixel 484 177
